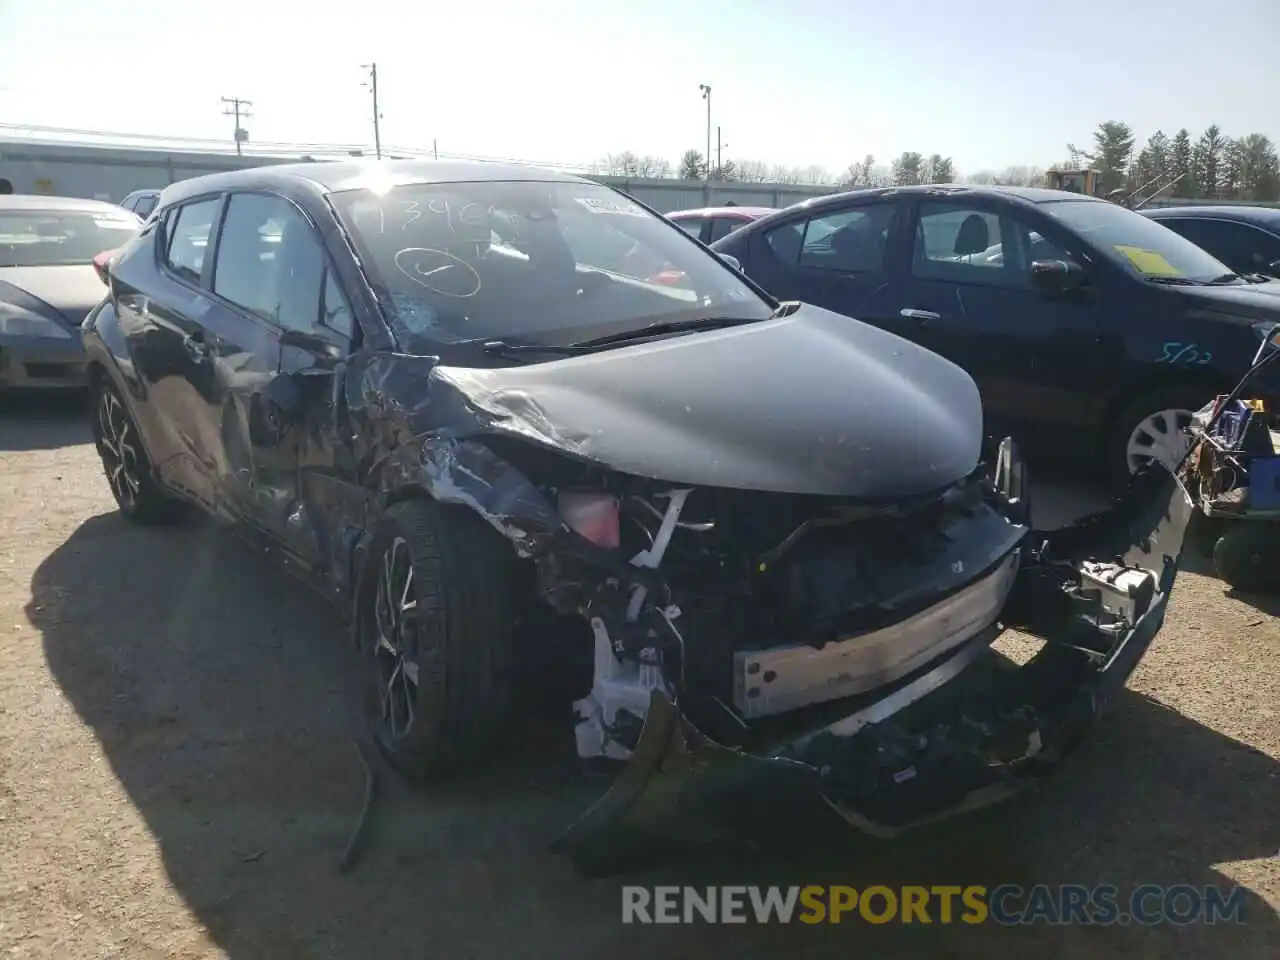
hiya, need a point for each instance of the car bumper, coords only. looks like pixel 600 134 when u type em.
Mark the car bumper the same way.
pixel 37 364
pixel 963 732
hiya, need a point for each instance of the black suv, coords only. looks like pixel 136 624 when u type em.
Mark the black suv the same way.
pixel 1088 327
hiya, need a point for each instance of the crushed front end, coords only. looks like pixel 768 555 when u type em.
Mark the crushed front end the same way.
pixel 768 643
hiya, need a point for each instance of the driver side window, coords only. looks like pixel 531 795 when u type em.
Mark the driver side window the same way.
pixel 961 243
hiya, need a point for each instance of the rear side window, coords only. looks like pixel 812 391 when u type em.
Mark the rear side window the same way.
pixel 1242 247
pixel 691 225
pixel 723 226
pixel 846 241
pixel 144 206
pixel 188 237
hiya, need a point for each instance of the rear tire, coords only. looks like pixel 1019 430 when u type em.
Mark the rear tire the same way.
pixel 1152 423
pixel 436 624
pixel 1244 554
pixel 125 462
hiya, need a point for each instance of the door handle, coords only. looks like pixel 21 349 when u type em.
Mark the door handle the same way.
pixel 911 313
pixel 196 348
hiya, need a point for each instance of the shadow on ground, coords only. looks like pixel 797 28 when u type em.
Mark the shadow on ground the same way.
pixel 216 687
pixel 43 421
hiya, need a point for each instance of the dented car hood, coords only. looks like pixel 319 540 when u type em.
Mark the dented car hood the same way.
pixel 815 403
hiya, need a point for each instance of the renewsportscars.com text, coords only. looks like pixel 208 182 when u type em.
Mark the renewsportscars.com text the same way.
pixel 1008 904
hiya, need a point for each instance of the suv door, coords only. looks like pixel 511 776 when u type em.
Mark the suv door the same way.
pixel 1241 246
pixel 848 259
pixel 267 282
pixel 969 297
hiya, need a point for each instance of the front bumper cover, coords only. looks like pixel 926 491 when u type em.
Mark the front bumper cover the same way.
pixel 961 733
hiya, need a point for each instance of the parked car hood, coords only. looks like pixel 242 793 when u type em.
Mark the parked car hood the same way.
pixel 814 403
pixel 71 290
pixel 1254 301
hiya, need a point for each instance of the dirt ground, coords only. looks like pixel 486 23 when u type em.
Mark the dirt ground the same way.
pixel 177 778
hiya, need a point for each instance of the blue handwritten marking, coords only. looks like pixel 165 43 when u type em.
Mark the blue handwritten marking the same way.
pixel 1187 354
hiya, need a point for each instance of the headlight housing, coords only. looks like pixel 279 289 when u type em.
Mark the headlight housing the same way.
pixel 17 322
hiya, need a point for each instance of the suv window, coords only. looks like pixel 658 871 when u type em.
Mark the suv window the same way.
pixel 723 226
pixel 1244 248
pixel 691 225
pixel 145 204
pixel 960 243
pixel 849 241
pixel 188 237
pixel 270 262
pixel 336 312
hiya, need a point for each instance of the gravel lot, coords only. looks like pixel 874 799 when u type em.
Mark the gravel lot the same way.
pixel 177 778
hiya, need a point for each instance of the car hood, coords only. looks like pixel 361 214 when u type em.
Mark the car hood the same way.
pixel 69 291
pixel 1254 301
pixel 814 403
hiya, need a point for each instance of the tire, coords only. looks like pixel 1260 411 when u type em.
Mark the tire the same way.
pixel 125 462
pixel 1243 555
pixel 1179 397
pixel 453 634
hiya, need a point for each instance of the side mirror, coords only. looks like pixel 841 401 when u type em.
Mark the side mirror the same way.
pixel 1057 278
pixel 733 262
pixel 326 353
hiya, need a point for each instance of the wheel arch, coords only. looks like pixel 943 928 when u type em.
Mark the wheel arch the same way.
pixel 1152 381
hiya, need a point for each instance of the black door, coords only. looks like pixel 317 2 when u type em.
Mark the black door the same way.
pixel 1241 246
pixel 968 296
pixel 163 320
pixel 267 284
pixel 845 259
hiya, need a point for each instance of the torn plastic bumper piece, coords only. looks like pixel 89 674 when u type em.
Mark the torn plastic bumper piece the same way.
pixel 964 732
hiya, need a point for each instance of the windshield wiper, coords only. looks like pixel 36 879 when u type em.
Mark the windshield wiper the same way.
pixel 1225 278
pixel 504 348
pixel 1175 281
pixel 785 309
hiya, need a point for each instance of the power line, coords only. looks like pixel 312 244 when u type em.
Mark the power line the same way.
pixel 237 108
pixel 372 84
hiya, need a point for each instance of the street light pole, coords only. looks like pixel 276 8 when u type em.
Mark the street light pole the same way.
pixel 706 95
pixel 719 150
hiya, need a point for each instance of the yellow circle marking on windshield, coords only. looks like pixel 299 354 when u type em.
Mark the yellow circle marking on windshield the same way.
pixel 1148 261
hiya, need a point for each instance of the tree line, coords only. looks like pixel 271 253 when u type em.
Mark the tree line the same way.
pixel 1211 166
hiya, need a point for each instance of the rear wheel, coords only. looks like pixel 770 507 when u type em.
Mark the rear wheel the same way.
pixel 125 461
pixel 1244 555
pixel 436 624
pixel 1153 428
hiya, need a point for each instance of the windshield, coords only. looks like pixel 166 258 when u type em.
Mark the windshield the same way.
pixel 540 262
pixel 35 238
pixel 1140 245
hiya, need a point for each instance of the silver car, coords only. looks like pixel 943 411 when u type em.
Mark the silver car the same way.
pixel 48 283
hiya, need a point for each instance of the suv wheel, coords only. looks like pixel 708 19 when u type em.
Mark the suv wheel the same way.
pixel 435 622
pixel 125 461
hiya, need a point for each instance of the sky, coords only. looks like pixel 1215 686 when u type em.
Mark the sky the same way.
pixel 991 83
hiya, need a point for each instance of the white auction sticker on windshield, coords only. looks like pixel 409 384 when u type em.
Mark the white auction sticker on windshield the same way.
pixel 619 208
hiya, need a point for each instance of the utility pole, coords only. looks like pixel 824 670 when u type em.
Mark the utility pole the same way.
pixel 372 84
pixel 238 108
pixel 706 95
pixel 719 149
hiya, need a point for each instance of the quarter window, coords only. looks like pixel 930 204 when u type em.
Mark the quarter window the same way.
pixel 270 262
pixel 188 237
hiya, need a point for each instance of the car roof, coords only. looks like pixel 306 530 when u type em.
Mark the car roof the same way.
pixel 734 211
pixel 336 176
pixel 1266 216
pixel 18 202
pixel 958 191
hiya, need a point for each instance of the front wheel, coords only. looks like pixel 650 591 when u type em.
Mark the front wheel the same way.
pixel 125 461
pixel 435 624
pixel 1153 429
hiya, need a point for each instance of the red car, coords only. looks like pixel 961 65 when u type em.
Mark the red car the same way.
pixel 709 224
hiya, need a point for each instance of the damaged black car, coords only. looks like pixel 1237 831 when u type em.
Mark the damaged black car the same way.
pixel 465 399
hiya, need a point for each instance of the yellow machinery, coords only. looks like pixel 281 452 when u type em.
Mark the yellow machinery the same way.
pixel 1075 181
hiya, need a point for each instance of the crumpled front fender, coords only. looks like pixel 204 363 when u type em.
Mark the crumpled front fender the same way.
pixel 964 732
